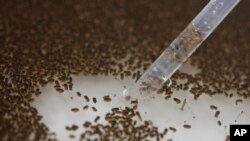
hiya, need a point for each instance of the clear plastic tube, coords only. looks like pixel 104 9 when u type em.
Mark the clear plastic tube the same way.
pixel 182 47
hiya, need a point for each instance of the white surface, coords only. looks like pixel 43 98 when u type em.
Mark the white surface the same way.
pixel 56 109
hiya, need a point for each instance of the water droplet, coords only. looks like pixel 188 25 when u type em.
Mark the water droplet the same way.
pixel 221 3
pixel 164 78
pixel 125 92
pixel 169 82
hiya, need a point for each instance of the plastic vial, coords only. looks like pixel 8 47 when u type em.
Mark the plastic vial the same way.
pixel 181 48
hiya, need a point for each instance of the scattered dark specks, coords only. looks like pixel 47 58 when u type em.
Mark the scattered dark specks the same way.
pixel 107 98
pixel 219 122
pixel 94 100
pixel 178 101
pixel 213 107
pixel 172 129
pixel 74 109
pixel 94 109
pixel 59 90
pixel 86 98
pixel 187 126
pixel 71 136
pixel 217 113
pixel 237 101
pixel 79 94
pixel 97 118
pixel 71 128
pixel 85 107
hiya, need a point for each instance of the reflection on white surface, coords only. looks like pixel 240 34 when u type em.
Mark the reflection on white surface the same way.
pixel 56 109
